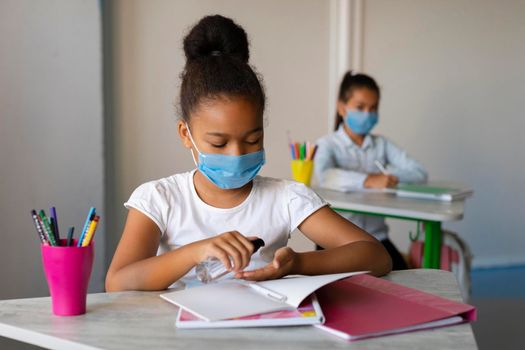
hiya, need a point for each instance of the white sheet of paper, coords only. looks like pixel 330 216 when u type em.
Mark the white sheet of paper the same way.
pixel 234 298
pixel 297 288
pixel 224 300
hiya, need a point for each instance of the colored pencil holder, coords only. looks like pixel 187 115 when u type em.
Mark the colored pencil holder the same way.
pixel 302 171
pixel 67 271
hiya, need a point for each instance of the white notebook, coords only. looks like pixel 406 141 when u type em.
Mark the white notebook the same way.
pixel 308 313
pixel 237 298
pixel 433 192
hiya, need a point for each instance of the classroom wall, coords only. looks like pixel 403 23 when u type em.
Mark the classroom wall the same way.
pixel 448 70
pixel 289 47
pixel 50 131
pixel 452 79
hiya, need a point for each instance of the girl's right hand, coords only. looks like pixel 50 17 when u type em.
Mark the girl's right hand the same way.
pixel 380 181
pixel 229 244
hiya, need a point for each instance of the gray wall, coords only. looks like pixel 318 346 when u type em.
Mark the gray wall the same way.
pixel 50 131
pixel 453 80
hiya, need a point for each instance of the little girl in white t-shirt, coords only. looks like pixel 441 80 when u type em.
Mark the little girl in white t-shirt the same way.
pixel 217 209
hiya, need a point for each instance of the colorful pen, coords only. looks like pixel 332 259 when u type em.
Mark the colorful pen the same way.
pixel 314 151
pixel 308 150
pixel 52 227
pixel 293 150
pixel 302 151
pixel 69 242
pixel 38 227
pixel 90 217
pixel 47 228
pixel 55 224
pixel 91 231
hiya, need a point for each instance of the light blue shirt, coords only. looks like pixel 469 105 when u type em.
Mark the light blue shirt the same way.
pixel 342 165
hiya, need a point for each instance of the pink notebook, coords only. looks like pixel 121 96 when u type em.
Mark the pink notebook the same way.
pixel 365 306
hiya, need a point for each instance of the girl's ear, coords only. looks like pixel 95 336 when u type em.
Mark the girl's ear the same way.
pixel 184 134
pixel 341 108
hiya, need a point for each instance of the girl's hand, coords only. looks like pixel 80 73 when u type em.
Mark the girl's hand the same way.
pixel 283 264
pixel 380 181
pixel 225 246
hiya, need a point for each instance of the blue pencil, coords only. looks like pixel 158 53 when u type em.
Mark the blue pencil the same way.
pixel 90 217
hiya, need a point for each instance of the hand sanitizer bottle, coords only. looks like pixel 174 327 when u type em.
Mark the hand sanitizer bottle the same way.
pixel 212 268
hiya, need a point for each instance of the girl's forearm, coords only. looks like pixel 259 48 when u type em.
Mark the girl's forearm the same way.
pixel 356 256
pixel 155 273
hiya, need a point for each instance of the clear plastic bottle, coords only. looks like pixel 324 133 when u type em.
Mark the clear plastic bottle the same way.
pixel 212 268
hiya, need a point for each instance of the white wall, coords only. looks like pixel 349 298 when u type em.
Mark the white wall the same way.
pixel 453 79
pixel 50 131
pixel 289 47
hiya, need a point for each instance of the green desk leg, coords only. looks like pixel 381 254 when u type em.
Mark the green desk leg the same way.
pixel 432 253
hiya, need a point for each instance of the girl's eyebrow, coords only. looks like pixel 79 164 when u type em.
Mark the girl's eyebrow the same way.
pixel 258 129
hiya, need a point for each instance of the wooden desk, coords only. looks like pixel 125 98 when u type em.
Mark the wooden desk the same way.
pixel 142 320
pixel 431 213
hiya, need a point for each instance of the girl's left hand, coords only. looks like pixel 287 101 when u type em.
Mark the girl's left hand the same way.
pixel 283 264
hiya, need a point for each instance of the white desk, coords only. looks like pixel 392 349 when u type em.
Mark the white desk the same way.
pixel 431 213
pixel 142 320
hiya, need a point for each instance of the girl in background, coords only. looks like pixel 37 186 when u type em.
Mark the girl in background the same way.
pixel 348 158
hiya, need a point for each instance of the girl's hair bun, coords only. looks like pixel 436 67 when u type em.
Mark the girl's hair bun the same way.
pixel 217 54
pixel 216 36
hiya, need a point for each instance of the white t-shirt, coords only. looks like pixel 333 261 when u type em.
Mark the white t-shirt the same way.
pixel 272 210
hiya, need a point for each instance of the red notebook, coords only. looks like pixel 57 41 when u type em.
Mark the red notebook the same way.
pixel 365 306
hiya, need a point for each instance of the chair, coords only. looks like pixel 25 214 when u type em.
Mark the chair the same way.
pixel 455 257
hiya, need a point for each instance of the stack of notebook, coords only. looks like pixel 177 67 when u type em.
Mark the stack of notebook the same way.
pixel 350 305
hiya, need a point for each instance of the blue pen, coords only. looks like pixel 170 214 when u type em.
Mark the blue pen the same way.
pixel 69 242
pixel 52 226
pixel 90 217
pixel 55 224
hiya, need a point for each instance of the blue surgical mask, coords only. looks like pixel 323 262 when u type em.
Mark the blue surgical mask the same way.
pixel 361 122
pixel 227 171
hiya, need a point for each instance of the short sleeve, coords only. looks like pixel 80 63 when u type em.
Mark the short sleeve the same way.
pixel 302 202
pixel 151 200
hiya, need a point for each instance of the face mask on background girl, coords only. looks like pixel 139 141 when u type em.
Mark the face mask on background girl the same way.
pixel 357 106
pixel 361 122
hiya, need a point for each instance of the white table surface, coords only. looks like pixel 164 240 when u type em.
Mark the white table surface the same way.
pixel 142 320
pixel 389 204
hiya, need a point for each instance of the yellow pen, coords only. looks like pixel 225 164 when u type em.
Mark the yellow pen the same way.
pixel 90 232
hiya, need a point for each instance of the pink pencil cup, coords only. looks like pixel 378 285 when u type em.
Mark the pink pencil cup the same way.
pixel 67 272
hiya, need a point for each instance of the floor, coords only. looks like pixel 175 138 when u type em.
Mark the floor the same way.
pixel 499 295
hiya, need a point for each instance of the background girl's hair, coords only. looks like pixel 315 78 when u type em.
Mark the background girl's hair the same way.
pixel 348 85
pixel 217 54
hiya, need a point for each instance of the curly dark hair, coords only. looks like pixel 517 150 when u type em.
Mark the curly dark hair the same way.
pixel 217 55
